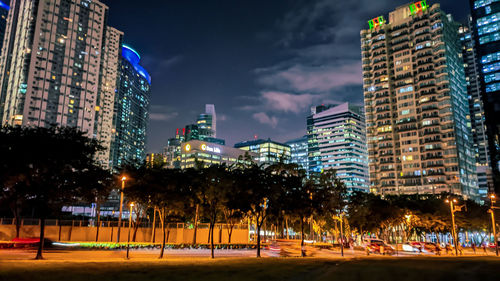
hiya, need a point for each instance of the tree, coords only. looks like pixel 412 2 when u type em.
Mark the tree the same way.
pixel 159 188
pixel 51 172
pixel 215 181
pixel 96 187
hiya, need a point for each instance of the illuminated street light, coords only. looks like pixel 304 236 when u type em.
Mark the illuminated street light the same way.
pixel 454 209
pixel 341 219
pixel 124 178
pixel 129 224
pixel 493 225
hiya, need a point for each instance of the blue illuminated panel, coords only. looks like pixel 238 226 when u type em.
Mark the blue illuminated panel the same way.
pixel 134 58
pixel 4 6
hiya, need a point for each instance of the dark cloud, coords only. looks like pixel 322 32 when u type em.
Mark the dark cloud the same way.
pixel 262 63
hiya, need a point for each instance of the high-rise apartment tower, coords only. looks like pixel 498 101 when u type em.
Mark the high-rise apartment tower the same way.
pixel 416 104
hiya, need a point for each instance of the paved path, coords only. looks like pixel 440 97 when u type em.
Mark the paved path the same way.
pixel 143 254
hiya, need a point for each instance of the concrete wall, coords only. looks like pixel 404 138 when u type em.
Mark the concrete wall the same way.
pixel 108 234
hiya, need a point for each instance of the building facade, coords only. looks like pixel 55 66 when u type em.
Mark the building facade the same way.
pixel 336 137
pixel 4 13
pixel 50 63
pixel 476 111
pixel 416 104
pixel 269 152
pixel 486 33
pixel 298 152
pixel 208 154
pixel 205 128
pixel 108 87
pixel 131 110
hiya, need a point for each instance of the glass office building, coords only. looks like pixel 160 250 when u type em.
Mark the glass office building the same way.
pixel 131 116
pixel 486 26
pixel 337 140
pixel 269 152
pixel 298 148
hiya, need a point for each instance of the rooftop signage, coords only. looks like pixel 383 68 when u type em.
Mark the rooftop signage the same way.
pixel 418 7
pixel 376 22
pixel 208 148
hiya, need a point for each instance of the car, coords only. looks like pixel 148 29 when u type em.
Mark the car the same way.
pixel 409 247
pixel 379 246
pixel 30 242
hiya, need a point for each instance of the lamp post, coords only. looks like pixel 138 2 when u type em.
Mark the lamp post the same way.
pixel 341 219
pixel 124 178
pixel 129 224
pixel 454 209
pixel 493 225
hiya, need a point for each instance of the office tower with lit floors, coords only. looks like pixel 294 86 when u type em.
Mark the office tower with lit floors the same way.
pixel 298 150
pixel 416 104
pixel 131 111
pixel 476 111
pixel 336 137
pixel 486 27
pixel 269 152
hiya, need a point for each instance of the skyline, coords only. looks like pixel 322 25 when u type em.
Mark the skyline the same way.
pixel 262 64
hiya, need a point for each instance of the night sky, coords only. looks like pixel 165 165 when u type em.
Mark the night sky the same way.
pixel 263 63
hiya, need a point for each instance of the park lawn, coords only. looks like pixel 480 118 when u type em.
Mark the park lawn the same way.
pixel 422 269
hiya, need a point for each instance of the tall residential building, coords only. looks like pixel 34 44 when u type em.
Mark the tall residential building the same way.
pixel 108 87
pixel 50 63
pixel 131 110
pixel 416 104
pixel 336 137
pixel 268 151
pixel 486 27
pixel 476 110
pixel 298 149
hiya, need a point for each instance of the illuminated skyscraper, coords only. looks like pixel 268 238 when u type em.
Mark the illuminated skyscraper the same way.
pixel 298 148
pixel 50 63
pixel 336 137
pixel 268 151
pixel 131 110
pixel 416 104
pixel 486 27
pixel 476 111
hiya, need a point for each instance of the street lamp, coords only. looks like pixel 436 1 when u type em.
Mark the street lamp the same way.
pixel 341 219
pixel 493 225
pixel 454 209
pixel 129 224
pixel 124 178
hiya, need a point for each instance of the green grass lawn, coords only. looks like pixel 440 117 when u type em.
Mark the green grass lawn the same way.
pixel 422 269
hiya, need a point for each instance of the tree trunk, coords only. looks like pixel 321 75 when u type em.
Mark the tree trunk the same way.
pixel 258 237
pixel 153 238
pixel 286 222
pixel 209 234
pixel 230 233
pixel 39 255
pixel 18 225
pixel 212 226
pixel 220 233
pixel 98 210
pixel 302 237
pixel 195 224
pixel 136 227
pixel 163 223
